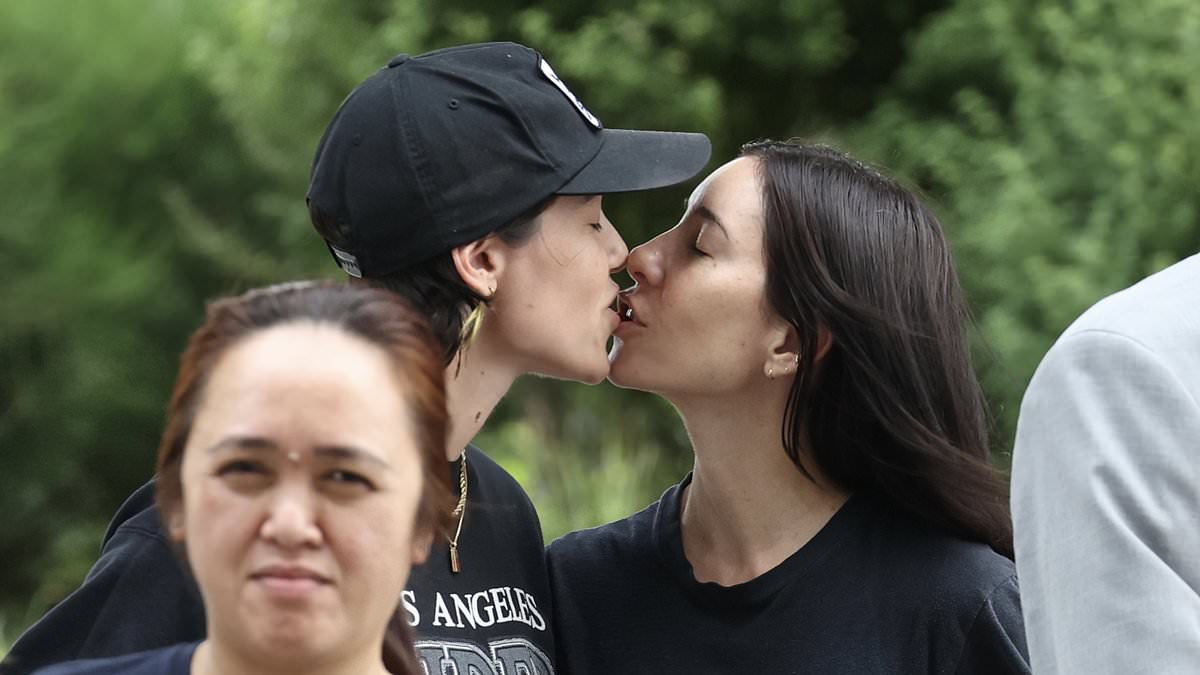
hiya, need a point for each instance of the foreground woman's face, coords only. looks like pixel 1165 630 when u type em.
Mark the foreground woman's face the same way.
pixel 301 481
pixel 697 322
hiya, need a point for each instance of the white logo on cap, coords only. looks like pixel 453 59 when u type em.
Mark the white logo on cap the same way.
pixel 347 261
pixel 553 77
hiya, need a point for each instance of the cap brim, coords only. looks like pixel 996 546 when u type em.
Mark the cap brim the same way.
pixel 631 160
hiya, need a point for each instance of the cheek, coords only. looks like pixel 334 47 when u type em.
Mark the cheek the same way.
pixel 709 313
pixel 219 531
pixel 558 307
pixel 373 542
pixel 577 288
pixel 706 328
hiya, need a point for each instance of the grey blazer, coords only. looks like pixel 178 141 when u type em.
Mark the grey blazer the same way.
pixel 1106 486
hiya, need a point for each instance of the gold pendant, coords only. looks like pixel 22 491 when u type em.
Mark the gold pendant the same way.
pixel 455 566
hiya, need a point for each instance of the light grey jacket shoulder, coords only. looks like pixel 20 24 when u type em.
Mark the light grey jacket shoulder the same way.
pixel 1106 486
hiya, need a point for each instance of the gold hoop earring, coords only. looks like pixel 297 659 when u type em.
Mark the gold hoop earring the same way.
pixel 471 325
pixel 474 320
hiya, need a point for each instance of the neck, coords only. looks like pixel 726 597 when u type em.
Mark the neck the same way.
pixel 748 507
pixel 214 658
pixel 475 382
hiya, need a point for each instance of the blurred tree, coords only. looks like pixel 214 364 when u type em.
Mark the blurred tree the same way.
pixel 733 70
pixel 111 146
pixel 1060 139
pixel 157 154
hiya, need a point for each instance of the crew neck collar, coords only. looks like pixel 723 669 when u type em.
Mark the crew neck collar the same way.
pixel 668 536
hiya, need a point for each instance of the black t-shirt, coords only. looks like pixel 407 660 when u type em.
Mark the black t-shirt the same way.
pixel 173 660
pixel 493 616
pixel 873 592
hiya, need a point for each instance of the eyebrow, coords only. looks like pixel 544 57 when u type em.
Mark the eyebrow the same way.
pixel 707 214
pixel 260 444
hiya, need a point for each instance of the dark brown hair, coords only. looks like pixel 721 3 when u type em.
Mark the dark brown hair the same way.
pixel 894 407
pixel 383 319
pixel 434 286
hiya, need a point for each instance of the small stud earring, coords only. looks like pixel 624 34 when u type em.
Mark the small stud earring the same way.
pixel 770 373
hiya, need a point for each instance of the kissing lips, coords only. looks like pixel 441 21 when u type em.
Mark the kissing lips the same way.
pixel 626 310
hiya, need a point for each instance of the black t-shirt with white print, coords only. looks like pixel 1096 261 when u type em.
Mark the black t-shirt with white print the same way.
pixel 491 618
pixel 873 592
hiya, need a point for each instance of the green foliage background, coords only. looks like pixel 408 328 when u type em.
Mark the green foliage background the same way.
pixel 156 154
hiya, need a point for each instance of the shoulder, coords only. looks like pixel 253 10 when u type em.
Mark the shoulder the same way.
pixel 1127 367
pixel 971 574
pixel 136 507
pixel 496 490
pixel 173 660
pixel 1156 311
pixel 599 547
pixel 136 537
pixel 961 574
pixel 1139 340
pixel 492 481
pixel 963 591
pixel 994 638
pixel 136 596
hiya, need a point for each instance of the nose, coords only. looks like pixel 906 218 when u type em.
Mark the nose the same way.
pixel 618 251
pixel 291 519
pixel 645 263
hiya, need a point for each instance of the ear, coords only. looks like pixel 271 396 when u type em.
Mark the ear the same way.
pixel 783 351
pixel 824 343
pixel 480 264
pixel 783 357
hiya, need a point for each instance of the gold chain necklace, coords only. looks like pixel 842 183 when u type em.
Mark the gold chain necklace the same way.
pixel 460 511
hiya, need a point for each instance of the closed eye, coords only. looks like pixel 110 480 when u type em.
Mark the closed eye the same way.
pixel 596 226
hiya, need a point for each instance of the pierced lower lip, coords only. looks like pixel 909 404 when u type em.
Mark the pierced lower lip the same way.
pixel 626 314
pixel 623 310
pixel 626 326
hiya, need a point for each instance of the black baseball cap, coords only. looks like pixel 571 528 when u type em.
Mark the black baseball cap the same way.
pixel 437 150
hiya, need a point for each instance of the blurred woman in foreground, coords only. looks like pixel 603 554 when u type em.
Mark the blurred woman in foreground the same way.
pixel 806 320
pixel 301 473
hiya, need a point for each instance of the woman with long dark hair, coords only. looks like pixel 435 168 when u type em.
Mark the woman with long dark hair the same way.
pixel 842 516
pixel 301 474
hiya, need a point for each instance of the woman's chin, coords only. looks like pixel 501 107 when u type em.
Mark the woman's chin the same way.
pixel 623 372
pixel 297 649
pixel 293 636
pixel 595 374
pixel 593 371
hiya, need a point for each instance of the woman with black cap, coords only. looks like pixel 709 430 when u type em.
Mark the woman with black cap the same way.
pixel 468 180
